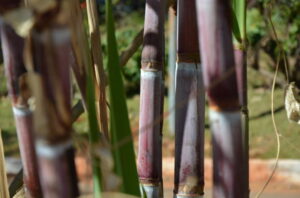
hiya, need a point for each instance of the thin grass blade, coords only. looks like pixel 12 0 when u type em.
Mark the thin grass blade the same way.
pixel 93 132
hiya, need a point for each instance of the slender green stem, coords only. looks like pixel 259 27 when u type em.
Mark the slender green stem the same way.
pixel 94 133
pixel 3 179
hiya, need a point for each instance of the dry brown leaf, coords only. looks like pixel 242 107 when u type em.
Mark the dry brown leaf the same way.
pixel 21 19
pixel 20 194
pixel 41 6
pixel 292 103
pixel 3 179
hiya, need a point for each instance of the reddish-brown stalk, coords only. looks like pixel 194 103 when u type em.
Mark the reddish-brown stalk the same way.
pixel 190 96
pixel 48 62
pixel 221 84
pixel 241 67
pixel 12 47
pixel 151 100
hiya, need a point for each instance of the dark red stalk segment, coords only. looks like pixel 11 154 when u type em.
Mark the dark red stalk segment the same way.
pixel 187 39
pixel 150 137
pixel 241 65
pixel 217 54
pixel 6 5
pixel 24 125
pixel 189 112
pixel 151 102
pixel 59 178
pixel 241 71
pixel 153 47
pixel 12 46
pixel 51 88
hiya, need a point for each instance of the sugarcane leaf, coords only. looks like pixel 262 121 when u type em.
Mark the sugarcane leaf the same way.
pixel 143 192
pixel 20 194
pixel 41 6
pixel 120 128
pixel 16 184
pixel 3 179
pixel 21 19
pixel 235 28
pixel 93 132
pixel 239 12
pixel 95 40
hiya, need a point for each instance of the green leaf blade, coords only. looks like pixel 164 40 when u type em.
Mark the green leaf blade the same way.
pixel 123 149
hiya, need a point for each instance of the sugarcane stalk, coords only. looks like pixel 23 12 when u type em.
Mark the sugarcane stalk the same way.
pixel 48 62
pixel 190 106
pixel 98 63
pixel 240 52
pixel 214 22
pixel 172 68
pixel 12 46
pixel 151 101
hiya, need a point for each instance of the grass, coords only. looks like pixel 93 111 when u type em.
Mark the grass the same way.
pixel 8 128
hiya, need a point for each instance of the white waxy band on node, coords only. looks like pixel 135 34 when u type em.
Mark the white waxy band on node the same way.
pixel 21 111
pixel 151 74
pixel 52 151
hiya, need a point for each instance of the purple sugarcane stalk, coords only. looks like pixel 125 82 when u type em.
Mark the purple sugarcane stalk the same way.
pixel 12 46
pixel 240 55
pixel 221 84
pixel 190 106
pixel 151 102
pixel 51 85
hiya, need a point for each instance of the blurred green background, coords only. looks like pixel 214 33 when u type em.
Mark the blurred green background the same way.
pixel 262 56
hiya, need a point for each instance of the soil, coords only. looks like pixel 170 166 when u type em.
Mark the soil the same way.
pixel 282 185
